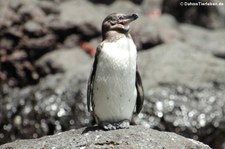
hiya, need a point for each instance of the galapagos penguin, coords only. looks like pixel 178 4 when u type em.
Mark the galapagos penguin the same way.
pixel 115 88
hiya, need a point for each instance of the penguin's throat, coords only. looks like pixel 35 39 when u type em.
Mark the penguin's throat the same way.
pixel 115 35
pixel 126 27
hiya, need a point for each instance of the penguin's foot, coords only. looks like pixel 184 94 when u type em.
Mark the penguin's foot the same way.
pixel 108 126
pixel 125 124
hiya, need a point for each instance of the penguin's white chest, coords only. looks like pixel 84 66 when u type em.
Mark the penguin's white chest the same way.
pixel 114 92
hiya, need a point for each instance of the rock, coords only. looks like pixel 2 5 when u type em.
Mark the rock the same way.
pixel 34 29
pixel 152 31
pixel 23 22
pixel 88 31
pixel 36 47
pixel 179 63
pixel 14 33
pixel 108 2
pixel 30 11
pixel 90 27
pixel 152 8
pixel 135 137
pixel 87 28
pixel 184 92
pixel 218 47
pixel 48 7
pixel 71 41
pixel 193 112
pixel 67 13
pixel 183 75
pixel 37 27
pixel 206 40
pixel 6 43
pixel 207 16
pixel 17 65
pixel 128 7
pixel 70 60
pixel 9 38
pixel 8 17
pixel 62 29
pixel 137 1
pixel 56 104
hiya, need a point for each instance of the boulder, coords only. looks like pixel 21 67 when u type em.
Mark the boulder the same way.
pixel 152 31
pixel 183 75
pixel 135 137
pixel 207 41
pixel 184 91
pixel 179 63
pixel 56 104
pixel 193 112
pixel 209 14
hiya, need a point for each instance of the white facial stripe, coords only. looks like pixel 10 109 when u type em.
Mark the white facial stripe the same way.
pixel 126 27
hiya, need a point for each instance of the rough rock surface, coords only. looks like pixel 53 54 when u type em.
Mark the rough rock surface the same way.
pixel 179 63
pixel 204 40
pixel 194 12
pixel 184 91
pixel 193 112
pixel 56 104
pixel 152 31
pixel 135 137
pixel 183 75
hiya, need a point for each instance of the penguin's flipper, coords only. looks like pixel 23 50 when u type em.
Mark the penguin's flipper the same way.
pixel 90 86
pixel 140 92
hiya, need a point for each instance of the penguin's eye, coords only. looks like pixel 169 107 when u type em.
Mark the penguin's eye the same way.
pixel 120 18
pixel 113 21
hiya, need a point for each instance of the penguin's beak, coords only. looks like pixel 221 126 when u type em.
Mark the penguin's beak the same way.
pixel 125 21
pixel 128 18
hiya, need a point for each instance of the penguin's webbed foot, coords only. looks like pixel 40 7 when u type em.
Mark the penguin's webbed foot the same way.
pixel 108 126
pixel 125 124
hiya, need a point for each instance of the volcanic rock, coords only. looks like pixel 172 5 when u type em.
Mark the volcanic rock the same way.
pixel 135 137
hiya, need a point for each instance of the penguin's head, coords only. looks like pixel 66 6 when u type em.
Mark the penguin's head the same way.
pixel 118 22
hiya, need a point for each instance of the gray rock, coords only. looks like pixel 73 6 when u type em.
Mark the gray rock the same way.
pixel 72 61
pixel 151 31
pixel 29 10
pixel 71 41
pixel 48 7
pixel 6 43
pixel 68 15
pixel 56 104
pixel 108 2
pixel 193 112
pixel 128 7
pixel 211 16
pixel 34 29
pixel 135 137
pixel 184 91
pixel 183 78
pixel 179 63
pixel 90 27
pixel 208 41
pixel 7 17
pixel 152 7
pixel 39 46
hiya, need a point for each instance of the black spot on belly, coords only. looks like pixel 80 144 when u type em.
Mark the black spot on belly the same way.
pixel 107 98
pixel 97 88
pixel 120 95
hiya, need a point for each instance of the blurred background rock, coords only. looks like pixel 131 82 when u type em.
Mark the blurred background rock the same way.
pixel 46 53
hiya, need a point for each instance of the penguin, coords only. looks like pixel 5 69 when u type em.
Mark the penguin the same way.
pixel 114 90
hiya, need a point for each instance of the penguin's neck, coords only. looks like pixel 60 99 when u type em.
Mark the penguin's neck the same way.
pixel 112 36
